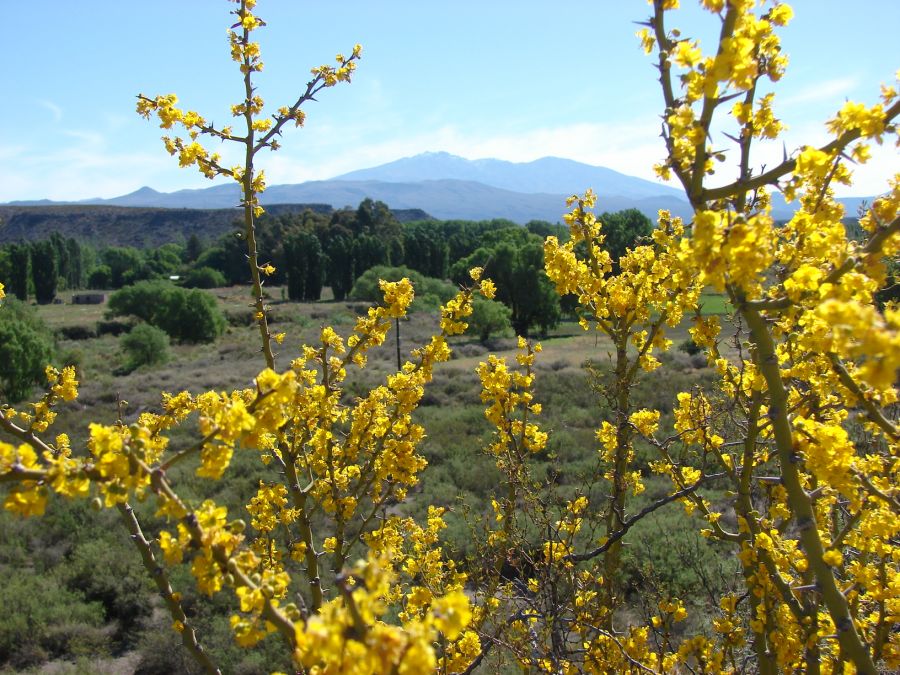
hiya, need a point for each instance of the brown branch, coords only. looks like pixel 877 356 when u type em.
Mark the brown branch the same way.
pixel 873 412
pixel 26 435
pixel 710 103
pixel 161 579
pixel 629 522
pixel 313 87
pixel 851 642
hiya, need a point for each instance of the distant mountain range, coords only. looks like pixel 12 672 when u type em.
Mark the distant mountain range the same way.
pixel 549 175
pixel 444 185
pixel 440 184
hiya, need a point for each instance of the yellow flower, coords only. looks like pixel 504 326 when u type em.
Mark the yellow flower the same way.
pixel 645 421
pixel 487 288
pixel 648 40
pixel 687 54
pixel 781 14
pixel 452 613
pixel 833 558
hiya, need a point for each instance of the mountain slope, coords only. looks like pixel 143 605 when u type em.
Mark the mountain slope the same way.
pixel 444 199
pixel 443 185
pixel 552 175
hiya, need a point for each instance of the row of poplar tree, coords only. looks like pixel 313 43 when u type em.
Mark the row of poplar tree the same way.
pixel 312 249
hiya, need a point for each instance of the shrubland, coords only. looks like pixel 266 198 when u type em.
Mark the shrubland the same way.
pixel 771 480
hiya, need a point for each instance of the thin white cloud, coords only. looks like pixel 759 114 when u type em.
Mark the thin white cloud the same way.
pixel 54 109
pixel 92 139
pixel 82 171
pixel 821 92
pixel 10 152
pixel 115 121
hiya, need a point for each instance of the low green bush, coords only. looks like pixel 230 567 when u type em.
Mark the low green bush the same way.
pixel 77 332
pixel 689 347
pixel 430 293
pixel 145 345
pixel 187 316
pixel 489 317
pixel 204 277
pixel 43 619
pixel 124 590
pixel 26 347
pixel 113 327
pixel 240 317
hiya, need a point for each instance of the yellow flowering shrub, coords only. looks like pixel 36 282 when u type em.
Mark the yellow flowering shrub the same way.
pixel 800 433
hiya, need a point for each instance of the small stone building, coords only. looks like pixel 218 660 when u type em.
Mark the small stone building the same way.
pixel 88 298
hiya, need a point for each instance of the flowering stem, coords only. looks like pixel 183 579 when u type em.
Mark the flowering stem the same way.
pixel 298 496
pixel 852 646
pixel 161 579
pixel 250 204
pixel 771 176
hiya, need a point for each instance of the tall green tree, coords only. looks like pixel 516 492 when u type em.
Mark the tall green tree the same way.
pixel 544 229
pixel 340 265
pixel 44 271
pixel 228 256
pixel 623 230
pixel 305 266
pixel 463 237
pixel 370 251
pixel 61 253
pixel 126 264
pixel 515 262
pixel 426 250
pixel 26 347
pixel 74 273
pixel 20 260
pixel 193 248
pixel 5 266
pixel 165 260
pixel 100 278
pixel 375 217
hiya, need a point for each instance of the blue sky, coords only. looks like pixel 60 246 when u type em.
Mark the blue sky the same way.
pixel 515 80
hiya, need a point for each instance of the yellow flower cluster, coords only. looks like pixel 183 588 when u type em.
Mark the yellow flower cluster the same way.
pixel 810 396
pixel 511 405
pixel 748 51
